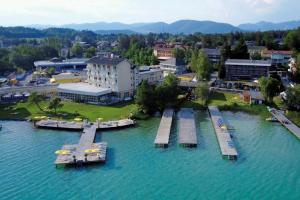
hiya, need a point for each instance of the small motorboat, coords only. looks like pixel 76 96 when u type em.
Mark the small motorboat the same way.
pixel 272 119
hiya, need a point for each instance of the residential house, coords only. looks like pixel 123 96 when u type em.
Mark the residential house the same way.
pixel 277 57
pixel 253 97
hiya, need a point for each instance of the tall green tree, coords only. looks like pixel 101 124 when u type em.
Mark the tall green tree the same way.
pixel 293 97
pixel 90 52
pixel 77 50
pixel 36 99
pixel 145 98
pixel 178 53
pixel 241 50
pixel 167 92
pixel 204 67
pixel 270 87
pixel 55 104
pixel 202 92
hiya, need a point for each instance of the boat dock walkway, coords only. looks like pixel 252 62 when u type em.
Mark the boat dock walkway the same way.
pixel 164 130
pixel 226 144
pixel 86 151
pixel 187 127
pixel 286 122
pixel 78 126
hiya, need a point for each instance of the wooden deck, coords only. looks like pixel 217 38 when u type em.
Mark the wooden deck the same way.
pixel 77 153
pixel 54 124
pixel 78 126
pixel 164 130
pixel 187 128
pixel 226 144
pixel 286 122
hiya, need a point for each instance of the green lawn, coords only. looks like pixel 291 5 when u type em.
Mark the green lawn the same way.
pixel 230 101
pixel 69 111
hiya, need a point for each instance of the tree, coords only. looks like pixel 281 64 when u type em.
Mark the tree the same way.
pixel 225 54
pixel 51 71
pixel 292 40
pixel 167 93
pixel 36 99
pixel 241 50
pixel 202 92
pixel 293 97
pixel 204 67
pixel 55 104
pixel 77 50
pixel 145 98
pixel 270 87
pixel 90 52
pixel 178 53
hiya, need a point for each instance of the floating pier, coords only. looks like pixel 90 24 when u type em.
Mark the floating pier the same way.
pixel 86 151
pixel 164 130
pixel 226 144
pixel 79 126
pixel 187 128
pixel 286 122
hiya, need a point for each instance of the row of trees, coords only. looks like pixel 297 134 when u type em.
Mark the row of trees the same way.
pixel 155 98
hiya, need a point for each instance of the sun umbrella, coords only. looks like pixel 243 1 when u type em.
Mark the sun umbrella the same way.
pixel 78 119
pixel 62 152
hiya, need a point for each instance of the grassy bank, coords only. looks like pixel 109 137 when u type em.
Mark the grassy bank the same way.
pixel 230 102
pixel 70 110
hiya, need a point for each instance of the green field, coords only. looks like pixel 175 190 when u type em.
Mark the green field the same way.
pixel 69 111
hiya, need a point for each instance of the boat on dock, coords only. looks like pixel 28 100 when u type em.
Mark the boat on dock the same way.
pixel 272 119
pixel 224 137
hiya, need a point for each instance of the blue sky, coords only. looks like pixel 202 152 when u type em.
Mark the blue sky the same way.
pixel 56 12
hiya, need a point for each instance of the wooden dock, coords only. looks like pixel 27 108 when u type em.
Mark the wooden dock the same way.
pixel 86 151
pixel 164 130
pixel 226 144
pixel 78 126
pixel 279 115
pixel 54 124
pixel 187 128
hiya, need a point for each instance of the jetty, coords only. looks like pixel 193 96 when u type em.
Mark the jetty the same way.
pixel 279 115
pixel 164 130
pixel 86 151
pixel 79 126
pixel 226 144
pixel 187 128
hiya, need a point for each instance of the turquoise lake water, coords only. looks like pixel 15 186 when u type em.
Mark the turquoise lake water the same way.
pixel 268 166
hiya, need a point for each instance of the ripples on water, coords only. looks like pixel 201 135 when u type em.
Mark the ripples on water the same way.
pixel 268 166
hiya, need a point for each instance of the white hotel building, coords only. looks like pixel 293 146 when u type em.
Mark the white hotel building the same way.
pixel 109 80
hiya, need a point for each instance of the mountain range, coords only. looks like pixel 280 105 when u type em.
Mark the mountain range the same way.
pixel 181 26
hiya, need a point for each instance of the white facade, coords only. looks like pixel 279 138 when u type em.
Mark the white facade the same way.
pixel 152 76
pixel 120 77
